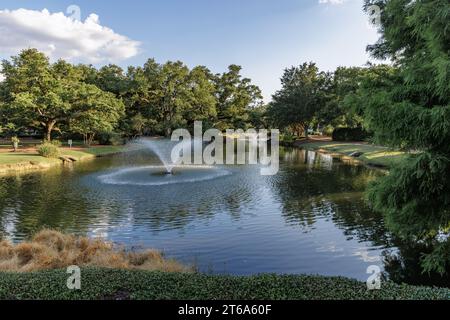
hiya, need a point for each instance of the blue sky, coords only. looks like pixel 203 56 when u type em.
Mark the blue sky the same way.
pixel 263 36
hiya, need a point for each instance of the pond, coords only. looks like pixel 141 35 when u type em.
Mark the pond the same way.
pixel 309 218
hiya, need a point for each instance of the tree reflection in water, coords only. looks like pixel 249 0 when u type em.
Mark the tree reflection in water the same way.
pixel 243 215
pixel 336 191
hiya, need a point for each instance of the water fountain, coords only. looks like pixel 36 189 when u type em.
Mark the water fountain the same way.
pixel 162 149
pixel 167 172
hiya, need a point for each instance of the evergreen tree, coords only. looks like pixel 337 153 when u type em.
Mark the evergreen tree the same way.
pixel 413 112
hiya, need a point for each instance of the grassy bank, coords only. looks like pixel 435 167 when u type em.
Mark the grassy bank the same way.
pixel 31 160
pixel 371 154
pixel 127 284
pixel 91 152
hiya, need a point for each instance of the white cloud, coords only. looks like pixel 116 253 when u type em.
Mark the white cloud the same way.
pixel 60 36
pixel 331 1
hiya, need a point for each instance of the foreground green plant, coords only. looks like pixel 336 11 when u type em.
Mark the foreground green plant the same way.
pixel 127 284
pixel 48 150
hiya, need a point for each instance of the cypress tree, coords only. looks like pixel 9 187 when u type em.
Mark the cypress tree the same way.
pixel 413 113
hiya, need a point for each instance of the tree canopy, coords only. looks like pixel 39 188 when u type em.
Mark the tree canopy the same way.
pixel 152 99
pixel 302 95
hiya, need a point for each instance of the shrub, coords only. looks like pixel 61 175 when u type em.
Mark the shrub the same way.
pixel 328 130
pixel 48 150
pixel 56 143
pixel 15 142
pixel 15 139
pixel 288 138
pixel 349 134
pixel 110 138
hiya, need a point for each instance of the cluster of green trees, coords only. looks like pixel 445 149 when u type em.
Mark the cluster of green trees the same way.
pixel 78 100
pixel 66 99
pixel 312 99
pixel 54 97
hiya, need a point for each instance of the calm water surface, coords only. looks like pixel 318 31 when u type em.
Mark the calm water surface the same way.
pixel 309 218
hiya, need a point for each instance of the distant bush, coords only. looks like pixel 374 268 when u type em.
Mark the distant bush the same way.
pixel 48 150
pixel 288 138
pixel 15 142
pixel 110 138
pixel 15 139
pixel 56 143
pixel 328 131
pixel 350 134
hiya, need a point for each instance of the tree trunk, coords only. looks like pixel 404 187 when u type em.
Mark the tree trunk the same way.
pixel 49 127
pixel 91 139
pixel 298 130
pixel 168 132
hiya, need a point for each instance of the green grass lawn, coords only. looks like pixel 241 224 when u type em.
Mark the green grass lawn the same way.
pixel 372 154
pixel 21 157
pixel 123 284
pixel 92 151
pixel 10 158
